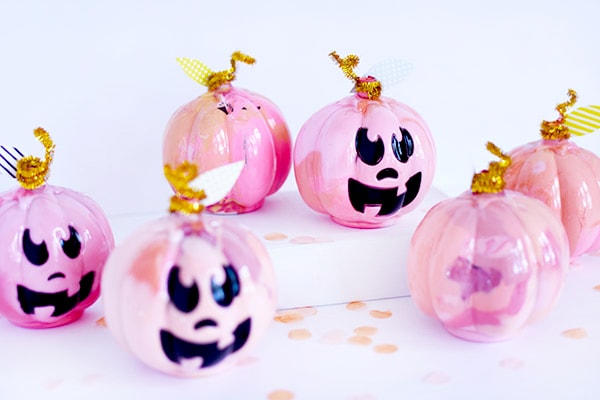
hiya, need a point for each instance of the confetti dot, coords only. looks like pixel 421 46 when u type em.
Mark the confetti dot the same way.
pixel 436 378
pixel 287 317
pixel 597 288
pixel 333 337
pixel 91 379
pixel 101 322
pixel 299 334
pixel 385 348
pixel 511 363
pixel 248 360
pixel 53 384
pixel 575 333
pixel 360 340
pixel 355 305
pixel 366 330
pixel 280 394
pixel 306 311
pixel 380 314
pixel 275 236
pixel 303 240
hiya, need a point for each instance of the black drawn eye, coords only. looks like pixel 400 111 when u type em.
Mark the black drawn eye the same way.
pixel 183 297
pixel 72 246
pixel 405 148
pixel 37 254
pixel 371 153
pixel 225 293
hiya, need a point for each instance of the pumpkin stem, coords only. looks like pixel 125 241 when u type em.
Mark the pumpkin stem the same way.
pixel 217 79
pixel 31 171
pixel 491 180
pixel 185 200
pixel 557 130
pixel 367 87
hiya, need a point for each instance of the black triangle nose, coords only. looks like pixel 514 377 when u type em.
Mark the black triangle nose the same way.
pixel 387 173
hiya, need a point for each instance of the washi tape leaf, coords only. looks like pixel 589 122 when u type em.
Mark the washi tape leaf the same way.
pixel 217 182
pixel 391 72
pixel 583 120
pixel 195 69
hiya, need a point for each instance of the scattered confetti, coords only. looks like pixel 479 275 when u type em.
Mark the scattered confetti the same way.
pixel 511 363
pixel 597 288
pixel 436 378
pixel 286 317
pixel 575 333
pixel 380 314
pixel 366 330
pixel 355 305
pixel 385 348
pixel 275 236
pixel 280 394
pixel 360 340
pixel 333 337
pixel 303 240
pixel 299 334
pixel 101 322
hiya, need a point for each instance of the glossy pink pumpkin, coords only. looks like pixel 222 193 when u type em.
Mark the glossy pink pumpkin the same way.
pixel 189 297
pixel 364 161
pixel 225 125
pixel 487 264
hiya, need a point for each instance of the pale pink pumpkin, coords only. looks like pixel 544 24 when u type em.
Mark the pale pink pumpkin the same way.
pixel 189 297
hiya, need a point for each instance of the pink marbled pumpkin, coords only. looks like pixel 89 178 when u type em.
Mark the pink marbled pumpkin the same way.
pixel 567 179
pixel 228 125
pixel 53 245
pixel 189 297
pixel 486 265
pixel 364 162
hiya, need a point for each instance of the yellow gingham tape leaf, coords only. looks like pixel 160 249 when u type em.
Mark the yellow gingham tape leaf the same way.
pixel 195 69
pixel 583 120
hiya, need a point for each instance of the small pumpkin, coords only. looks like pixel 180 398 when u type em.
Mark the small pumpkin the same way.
pixel 186 295
pixel 365 160
pixel 488 262
pixel 228 124
pixel 563 175
pixel 53 245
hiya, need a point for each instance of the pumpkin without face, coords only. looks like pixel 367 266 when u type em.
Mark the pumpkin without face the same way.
pixel 486 264
pixel 228 124
pixel 365 160
pixel 53 245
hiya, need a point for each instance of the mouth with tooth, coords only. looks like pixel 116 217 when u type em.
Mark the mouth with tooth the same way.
pixel 61 301
pixel 176 349
pixel 387 199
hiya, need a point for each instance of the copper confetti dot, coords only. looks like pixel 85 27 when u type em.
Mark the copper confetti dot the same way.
pixel 575 333
pixel 286 317
pixel 385 348
pixel 333 337
pixel 101 322
pixel 360 340
pixel 306 311
pixel 299 334
pixel 366 330
pixel 355 305
pixel 436 378
pixel 511 363
pixel 303 240
pixel 275 236
pixel 380 314
pixel 280 394
pixel 597 288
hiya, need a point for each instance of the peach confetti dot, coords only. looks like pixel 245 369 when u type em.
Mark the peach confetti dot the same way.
pixel 385 348
pixel 248 360
pixel 366 330
pixel 306 311
pixel 436 378
pixel 287 317
pixel 101 322
pixel 360 340
pixel 53 384
pixel 597 288
pixel 511 363
pixel 355 305
pixel 333 337
pixel 575 333
pixel 281 394
pixel 275 236
pixel 299 334
pixel 380 314
pixel 303 240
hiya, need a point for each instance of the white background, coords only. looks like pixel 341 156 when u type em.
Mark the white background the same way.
pixel 101 76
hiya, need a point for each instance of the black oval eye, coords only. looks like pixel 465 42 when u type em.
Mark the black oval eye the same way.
pixel 405 148
pixel 37 254
pixel 72 246
pixel 226 292
pixel 183 297
pixel 371 153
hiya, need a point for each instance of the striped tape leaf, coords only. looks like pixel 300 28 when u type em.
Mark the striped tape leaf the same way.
pixel 583 120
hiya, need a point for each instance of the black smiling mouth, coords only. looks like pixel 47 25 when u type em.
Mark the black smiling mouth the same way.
pixel 175 348
pixel 61 301
pixel 362 195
